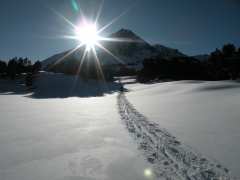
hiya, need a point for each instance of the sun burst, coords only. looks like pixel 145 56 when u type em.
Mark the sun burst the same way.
pixel 87 34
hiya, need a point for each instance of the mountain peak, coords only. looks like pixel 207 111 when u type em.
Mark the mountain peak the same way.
pixel 126 34
pixel 131 50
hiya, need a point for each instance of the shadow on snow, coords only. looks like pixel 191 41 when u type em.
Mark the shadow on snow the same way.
pixel 49 85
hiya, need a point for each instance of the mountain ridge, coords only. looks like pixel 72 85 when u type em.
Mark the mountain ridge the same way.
pixel 129 48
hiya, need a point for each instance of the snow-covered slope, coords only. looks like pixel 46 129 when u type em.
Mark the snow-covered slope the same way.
pixel 129 49
pixel 203 115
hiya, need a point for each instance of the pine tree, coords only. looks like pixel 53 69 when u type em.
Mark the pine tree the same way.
pixel 228 50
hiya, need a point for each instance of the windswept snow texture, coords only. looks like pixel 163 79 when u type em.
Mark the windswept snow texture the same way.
pixel 203 115
pixel 171 159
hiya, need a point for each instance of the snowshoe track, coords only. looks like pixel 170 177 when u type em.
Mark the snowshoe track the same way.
pixel 171 159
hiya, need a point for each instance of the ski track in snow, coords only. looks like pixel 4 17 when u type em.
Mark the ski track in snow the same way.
pixel 170 158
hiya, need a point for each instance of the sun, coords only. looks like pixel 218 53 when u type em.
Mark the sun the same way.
pixel 87 34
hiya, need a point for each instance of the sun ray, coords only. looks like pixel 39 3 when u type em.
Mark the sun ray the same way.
pixel 88 35
pixel 112 21
pixel 82 61
pixel 99 12
pixel 66 55
pixel 69 37
pixel 81 13
pixel 100 70
pixel 64 18
pixel 117 18
pixel 119 40
pixel 110 53
pixel 79 68
pixel 98 64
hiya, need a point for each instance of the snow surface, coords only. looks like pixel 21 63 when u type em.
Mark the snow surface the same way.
pixel 171 159
pixel 203 115
pixel 69 129
pixel 64 138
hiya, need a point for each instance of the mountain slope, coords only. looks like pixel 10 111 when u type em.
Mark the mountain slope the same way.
pixel 168 52
pixel 126 48
pixel 129 47
pixel 53 59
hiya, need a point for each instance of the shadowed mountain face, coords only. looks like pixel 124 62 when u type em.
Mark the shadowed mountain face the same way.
pixel 129 48
pixel 167 52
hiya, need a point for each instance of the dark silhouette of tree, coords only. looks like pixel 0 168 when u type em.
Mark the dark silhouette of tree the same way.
pixel 29 79
pixel 228 50
pixel 37 67
pixel 27 62
pixel 12 68
pixel 20 66
pixel 216 56
pixel 3 68
pixel 214 65
pixel 224 64
pixel 221 65
pixel 177 68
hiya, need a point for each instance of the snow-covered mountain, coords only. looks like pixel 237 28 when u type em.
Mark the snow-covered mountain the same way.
pixel 128 48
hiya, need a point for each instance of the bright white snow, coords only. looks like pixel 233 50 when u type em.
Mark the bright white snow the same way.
pixel 65 138
pixel 63 131
pixel 203 115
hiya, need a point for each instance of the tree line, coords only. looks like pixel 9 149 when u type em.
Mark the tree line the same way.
pixel 18 66
pixel 222 64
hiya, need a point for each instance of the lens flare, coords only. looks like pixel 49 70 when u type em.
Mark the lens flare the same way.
pixel 148 173
pixel 75 5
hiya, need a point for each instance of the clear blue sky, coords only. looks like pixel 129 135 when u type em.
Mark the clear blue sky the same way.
pixel 29 27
